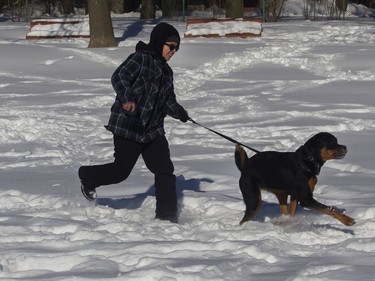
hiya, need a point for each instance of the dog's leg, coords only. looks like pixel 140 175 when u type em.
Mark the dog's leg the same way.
pixel 329 210
pixel 284 208
pixel 313 204
pixel 312 182
pixel 249 213
pixel 293 206
pixel 252 198
pixel 283 201
pixel 348 221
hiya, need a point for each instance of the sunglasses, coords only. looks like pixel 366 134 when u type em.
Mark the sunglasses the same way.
pixel 172 47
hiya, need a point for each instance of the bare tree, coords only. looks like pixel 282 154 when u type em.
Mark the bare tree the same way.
pixel 342 5
pixel 68 6
pixel 118 6
pixel 170 8
pixel 147 10
pixel 272 9
pixel 101 29
pixel 234 9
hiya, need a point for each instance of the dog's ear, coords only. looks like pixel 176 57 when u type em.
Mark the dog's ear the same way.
pixel 321 140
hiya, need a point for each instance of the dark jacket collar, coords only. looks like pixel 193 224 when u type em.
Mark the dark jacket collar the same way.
pixel 142 46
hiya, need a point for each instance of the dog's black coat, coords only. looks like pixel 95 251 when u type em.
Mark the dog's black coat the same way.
pixel 288 174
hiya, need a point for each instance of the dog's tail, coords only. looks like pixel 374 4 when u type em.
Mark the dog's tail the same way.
pixel 240 157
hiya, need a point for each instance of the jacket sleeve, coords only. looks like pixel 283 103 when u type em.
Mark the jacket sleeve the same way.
pixel 172 107
pixel 124 77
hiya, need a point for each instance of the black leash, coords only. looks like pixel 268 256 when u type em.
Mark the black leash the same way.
pixel 224 136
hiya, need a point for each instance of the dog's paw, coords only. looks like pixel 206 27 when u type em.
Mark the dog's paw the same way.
pixel 346 220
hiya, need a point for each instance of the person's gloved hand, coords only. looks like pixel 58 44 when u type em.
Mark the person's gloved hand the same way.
pixel 183 115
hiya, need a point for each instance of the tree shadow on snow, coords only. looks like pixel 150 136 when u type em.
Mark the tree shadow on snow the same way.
pixel 137 200
pixel 132 30
pixel 4 18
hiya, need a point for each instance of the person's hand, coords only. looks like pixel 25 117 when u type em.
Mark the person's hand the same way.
pixel 129 106
pixel 183 115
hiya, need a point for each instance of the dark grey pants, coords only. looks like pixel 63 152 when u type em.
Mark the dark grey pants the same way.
pixel 157 158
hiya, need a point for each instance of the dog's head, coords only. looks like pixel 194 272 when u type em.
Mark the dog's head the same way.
pixel 325 145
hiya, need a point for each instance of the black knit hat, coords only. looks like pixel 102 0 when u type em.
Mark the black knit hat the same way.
pixel 174 39
pixel 160 34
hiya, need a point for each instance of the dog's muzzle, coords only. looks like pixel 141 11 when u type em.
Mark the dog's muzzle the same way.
pixel 340 152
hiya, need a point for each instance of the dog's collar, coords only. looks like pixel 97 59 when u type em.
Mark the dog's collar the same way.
pixel 310 164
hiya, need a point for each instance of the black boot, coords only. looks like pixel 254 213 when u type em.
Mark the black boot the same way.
pixel 171 218
pixel 89 193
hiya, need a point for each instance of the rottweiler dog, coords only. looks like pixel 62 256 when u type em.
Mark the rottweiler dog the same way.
pixel 286 174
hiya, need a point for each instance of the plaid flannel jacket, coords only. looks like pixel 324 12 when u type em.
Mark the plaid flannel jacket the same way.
pixel 148 82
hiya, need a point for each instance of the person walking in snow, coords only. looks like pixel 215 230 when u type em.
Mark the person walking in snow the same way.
pixel 144 96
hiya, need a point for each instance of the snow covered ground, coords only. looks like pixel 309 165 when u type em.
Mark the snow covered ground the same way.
pixel 271 93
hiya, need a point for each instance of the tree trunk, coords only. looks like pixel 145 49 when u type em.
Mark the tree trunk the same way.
pixel 127 6
pixel 166 8
pixel 147 10
pixel 234 9
pixel 171 8
pixel 68 7
pixel 342 5
pixel 101 29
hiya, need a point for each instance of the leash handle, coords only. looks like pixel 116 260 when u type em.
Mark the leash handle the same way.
pixel 221 135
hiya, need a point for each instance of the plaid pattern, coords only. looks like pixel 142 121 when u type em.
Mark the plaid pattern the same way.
pixel 148 82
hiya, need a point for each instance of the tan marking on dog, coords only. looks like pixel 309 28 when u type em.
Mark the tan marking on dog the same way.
pixel 312 183
pixel 327 154
pixel 348 221
pixel 283 201
pixel 293 206
pixel 242 153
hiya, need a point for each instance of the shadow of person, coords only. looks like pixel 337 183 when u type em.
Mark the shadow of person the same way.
pixel 136 201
